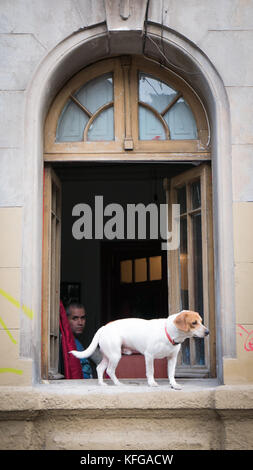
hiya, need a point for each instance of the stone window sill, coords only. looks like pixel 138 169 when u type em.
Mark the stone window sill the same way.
pixel 134 395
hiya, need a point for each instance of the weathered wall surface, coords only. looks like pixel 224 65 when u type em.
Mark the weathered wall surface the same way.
pixel 30 30
pixel 134 418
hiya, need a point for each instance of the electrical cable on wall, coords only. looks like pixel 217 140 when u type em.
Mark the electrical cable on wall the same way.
pixel 162 53
pixel 161 50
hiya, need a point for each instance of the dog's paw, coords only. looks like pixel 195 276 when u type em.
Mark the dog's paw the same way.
pixel 153 383
pixel 176 386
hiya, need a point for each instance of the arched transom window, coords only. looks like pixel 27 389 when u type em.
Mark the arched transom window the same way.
pixel 126 107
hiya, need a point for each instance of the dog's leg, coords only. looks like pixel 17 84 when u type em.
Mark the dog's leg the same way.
pixel 149 360
pixel 113 362
pixel 171 372
pixel 100 370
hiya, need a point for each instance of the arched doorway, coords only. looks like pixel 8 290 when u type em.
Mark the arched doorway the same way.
pixel 128 109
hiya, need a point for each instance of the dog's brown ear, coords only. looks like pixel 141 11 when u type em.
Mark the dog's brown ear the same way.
pixel 180 321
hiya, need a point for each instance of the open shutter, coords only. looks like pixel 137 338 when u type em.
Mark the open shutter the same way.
pixel 51 273
pixel 190 267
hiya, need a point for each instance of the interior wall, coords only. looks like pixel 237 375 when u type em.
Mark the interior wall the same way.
pixel 81 259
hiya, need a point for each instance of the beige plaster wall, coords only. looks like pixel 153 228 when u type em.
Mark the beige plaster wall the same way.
pixel 13 370
pixel 241 369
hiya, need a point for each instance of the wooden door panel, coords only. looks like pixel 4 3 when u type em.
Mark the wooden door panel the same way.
pixel 133 367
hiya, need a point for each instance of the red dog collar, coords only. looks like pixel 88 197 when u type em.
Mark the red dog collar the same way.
pixel 169 337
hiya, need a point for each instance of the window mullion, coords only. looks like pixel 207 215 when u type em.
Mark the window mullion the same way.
pixel 104 107
pixel 128 140
pixel 158 116
pixel 81 106
pixel 171 104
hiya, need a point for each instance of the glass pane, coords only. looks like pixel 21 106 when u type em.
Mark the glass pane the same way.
pixel 154 92
pixel 186 358
pixel 186 355
pixel 96 93
pixel 71 124
pixel 155 268
pixel 181 199
pixel 150 128
pixel 73 120
pixel 198 282
pixel 140 270
pixel 181 121
pixel 54 197
pixel 102 127
pixel 196 194
pixel 184 263
pixel 126 271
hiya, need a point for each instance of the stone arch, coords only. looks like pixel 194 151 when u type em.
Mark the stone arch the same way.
pixel 170 50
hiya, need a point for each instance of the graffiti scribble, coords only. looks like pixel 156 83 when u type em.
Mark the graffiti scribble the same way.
pixel 248 342
pixel 7 331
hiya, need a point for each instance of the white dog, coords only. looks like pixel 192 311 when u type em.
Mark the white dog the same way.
pixel 155 339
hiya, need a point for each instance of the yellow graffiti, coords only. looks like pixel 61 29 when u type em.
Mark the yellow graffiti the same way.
pixel 28 312
pixel 7 331
pixel 9 369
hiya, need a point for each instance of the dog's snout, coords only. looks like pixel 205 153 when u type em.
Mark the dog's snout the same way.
pixel 207 332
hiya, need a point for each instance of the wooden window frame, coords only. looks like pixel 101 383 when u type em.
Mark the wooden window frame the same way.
pixel 202 173
pixel 51 274
pixel 126 144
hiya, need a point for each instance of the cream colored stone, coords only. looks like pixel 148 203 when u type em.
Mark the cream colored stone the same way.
pixel 11 119
pixel 227 49
pixel 10 280
pixel 63 420
pixel 131 17
pixel 9 434
pixel 243 230
pixel 242 169
pixel 241 107
pixel 13 371
pixel 238 371
pixel 245 346
pixel 244 292
pixel 141 433
pixel 9 349
pixel 12 378
pixel 21 55
pixel 10 236
pixel 48 22
pixel 11 162
pixel 194 18
pixel 91 12
pixel 238 437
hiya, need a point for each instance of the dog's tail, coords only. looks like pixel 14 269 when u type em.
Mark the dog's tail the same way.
pixel 90 350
